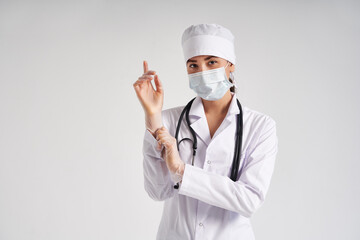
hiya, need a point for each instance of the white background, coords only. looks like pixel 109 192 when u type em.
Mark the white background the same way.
pixel 71 126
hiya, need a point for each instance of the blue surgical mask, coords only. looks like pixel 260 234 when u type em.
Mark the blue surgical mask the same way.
pixel 210 85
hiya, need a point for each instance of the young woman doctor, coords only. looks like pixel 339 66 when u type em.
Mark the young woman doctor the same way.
pixel 205 202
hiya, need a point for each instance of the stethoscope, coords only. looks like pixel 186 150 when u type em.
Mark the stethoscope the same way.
pixel 239 132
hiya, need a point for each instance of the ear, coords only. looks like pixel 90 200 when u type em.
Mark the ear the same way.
pixel 232 67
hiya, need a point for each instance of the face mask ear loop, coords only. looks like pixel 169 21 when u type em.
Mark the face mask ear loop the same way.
pixel 232 76
pixel 233 79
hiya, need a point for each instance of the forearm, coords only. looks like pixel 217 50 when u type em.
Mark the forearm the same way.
pixel 220 191
pixel 157 179
pixel 177 173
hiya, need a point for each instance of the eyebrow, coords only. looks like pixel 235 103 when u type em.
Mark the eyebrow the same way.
pixel 204 59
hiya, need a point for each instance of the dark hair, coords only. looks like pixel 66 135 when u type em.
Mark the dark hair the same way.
pixel 232 89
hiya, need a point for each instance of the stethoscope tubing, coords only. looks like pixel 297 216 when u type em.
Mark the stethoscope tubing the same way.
pixel 238 143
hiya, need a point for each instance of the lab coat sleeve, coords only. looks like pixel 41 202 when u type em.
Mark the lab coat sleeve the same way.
pixel 157 181
pixel 245 195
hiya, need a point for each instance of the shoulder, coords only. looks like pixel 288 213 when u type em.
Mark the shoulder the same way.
pixel 257 120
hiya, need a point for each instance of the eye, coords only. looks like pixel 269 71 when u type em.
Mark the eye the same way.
pixel 192 65
pixel 212 62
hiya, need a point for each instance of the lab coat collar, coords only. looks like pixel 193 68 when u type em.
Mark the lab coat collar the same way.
pixel 199 123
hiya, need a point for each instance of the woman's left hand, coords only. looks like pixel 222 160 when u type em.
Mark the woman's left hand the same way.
pixel 170 152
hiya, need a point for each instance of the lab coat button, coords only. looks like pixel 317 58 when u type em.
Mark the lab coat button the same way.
pixel 209 162
pixel 200 224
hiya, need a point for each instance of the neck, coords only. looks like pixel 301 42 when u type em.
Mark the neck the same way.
pixel 220 106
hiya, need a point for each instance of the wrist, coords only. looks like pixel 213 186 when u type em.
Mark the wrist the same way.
pixel 177 175
pixel 153 122
pixel 181 169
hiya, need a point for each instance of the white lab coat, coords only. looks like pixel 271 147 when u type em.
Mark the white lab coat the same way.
pixel 208 204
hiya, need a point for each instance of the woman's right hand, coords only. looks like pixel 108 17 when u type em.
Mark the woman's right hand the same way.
pixel 150 99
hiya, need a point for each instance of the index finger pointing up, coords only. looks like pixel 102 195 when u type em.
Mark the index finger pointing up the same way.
pixel 145 66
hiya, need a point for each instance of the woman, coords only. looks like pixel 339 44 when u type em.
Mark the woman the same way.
pixel 212 198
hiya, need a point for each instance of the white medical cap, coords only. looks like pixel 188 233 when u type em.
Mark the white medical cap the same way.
pixel 208 39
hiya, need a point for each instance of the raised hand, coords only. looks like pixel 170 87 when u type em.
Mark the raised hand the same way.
pixel 150 99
